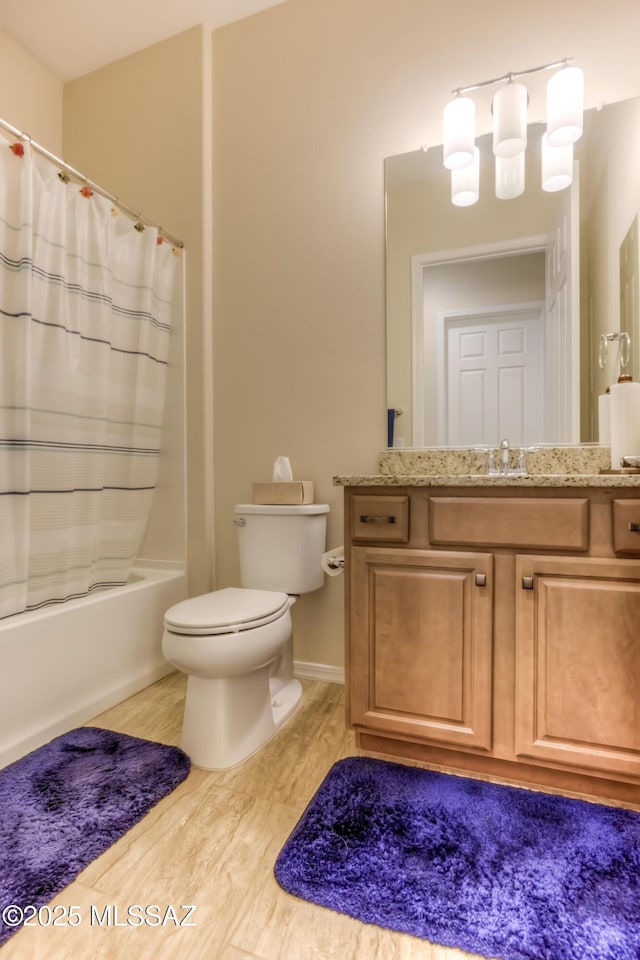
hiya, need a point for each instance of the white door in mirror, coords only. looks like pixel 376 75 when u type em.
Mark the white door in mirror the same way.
pixel 494 378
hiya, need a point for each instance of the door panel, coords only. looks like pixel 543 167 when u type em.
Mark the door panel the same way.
pixel 494 378
pixel 578 662
pixel 421 644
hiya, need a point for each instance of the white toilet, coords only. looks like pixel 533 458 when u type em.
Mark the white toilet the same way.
pixel 235 644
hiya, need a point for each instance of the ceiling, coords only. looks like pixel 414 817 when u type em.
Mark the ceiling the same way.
pixel 74 37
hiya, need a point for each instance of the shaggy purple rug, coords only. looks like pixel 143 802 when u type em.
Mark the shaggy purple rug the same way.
pixel 67 802
pixel 497 871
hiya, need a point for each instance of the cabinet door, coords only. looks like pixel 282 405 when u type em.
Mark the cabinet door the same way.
pixel 578 662
pixel 421 644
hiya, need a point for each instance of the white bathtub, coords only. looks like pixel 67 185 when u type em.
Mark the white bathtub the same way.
pixel 62 665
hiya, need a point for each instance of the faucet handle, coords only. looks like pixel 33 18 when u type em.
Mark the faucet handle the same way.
pixel 521 468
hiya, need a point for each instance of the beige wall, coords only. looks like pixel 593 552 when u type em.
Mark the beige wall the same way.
pixel 30 96
pixel 309 98
pixel 139 128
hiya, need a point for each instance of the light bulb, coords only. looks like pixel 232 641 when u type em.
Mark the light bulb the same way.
pixel 510 120
pixel 565 106
pixel 557 166
pixel 465 183
pixel 509 176
pixel 459 131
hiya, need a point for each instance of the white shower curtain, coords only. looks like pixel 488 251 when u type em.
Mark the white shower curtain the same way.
pixel 86 303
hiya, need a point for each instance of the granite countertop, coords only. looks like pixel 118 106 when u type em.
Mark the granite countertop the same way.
pixel 482 480
pixel 570 466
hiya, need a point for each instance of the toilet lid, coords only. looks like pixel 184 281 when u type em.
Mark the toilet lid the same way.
pixel 226 611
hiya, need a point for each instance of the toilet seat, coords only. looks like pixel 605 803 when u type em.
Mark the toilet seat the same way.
pixel 230 610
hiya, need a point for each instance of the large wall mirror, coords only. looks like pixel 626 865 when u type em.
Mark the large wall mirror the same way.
pixel 495 311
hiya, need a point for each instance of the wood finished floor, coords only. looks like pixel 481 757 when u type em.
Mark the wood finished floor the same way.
pixel 213 843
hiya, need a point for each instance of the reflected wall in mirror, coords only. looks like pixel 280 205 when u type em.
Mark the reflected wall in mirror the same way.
pixel 493 310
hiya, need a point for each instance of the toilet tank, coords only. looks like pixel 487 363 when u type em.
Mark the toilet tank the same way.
pixel 281 546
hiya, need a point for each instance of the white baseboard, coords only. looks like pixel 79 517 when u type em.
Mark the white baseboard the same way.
pixel 318 671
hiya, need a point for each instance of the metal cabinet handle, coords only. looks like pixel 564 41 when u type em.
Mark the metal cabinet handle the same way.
pixel 527 583
pixel 481 579
pixel 634 527
pixel 364 518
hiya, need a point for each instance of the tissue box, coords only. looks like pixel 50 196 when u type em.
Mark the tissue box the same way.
pixel 283 492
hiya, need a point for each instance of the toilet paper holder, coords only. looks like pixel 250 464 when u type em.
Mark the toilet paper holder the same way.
pixel 332 562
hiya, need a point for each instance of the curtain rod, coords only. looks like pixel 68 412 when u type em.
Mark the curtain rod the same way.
pixel 90 183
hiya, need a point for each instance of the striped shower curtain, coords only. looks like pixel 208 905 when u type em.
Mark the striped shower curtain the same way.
pixel 86 303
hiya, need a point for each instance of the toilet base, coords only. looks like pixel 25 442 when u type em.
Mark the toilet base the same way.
pixel 227 720
pixel 284 699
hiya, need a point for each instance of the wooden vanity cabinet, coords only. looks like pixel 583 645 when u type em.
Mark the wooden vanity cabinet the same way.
pixel 423 644
pixel 498 632
pixel 578 662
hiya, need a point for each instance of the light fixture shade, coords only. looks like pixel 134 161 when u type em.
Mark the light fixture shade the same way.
pixel 565 106
pixel 509 176
pixel 459 133
pixel 465 183
pixel 557 166
pixel 510 120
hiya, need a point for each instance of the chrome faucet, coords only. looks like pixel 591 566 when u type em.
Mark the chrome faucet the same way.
pixel 501 465
pixel 504 457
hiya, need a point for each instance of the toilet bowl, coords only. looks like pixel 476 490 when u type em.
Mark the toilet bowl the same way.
pixel 235 644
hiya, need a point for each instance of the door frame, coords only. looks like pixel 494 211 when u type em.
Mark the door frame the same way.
pixel 420 263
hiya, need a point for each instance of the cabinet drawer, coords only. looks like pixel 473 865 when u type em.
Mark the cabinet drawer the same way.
pixel 626 517
pixel 543 524
pixel 380 518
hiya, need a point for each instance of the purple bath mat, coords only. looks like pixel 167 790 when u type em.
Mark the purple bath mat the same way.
pixel 67 802
pixel 497 871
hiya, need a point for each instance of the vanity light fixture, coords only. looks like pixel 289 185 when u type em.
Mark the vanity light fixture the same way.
pixel 509 110
pixel 459 133
pixel 565 105
pixel 557 165
pixel 465 183
pixel 510 176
